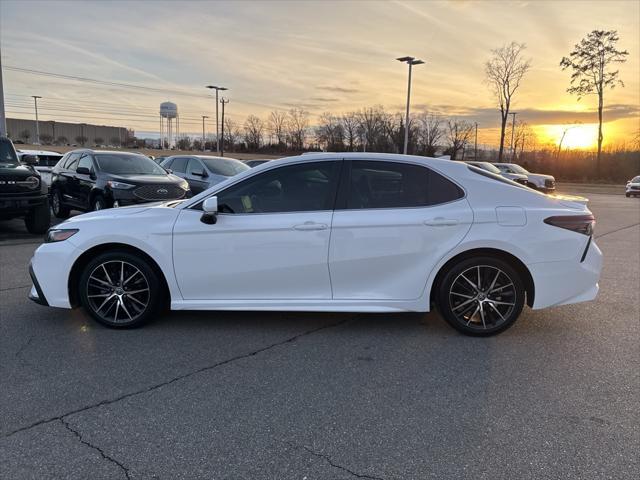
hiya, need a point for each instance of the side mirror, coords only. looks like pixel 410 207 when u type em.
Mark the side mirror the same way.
pixel 210 211
pixel 201 173
pixel 83 171
pixel 30 159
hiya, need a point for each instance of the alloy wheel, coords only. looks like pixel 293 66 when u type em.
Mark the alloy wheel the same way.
pixel 118 291
pixel 482 297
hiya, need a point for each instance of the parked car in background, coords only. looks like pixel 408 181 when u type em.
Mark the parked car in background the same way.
pixel 633 187
pixel 490 167
pixel 46 161
pixel 22 191
pixel 159 160
pixel 348 232
pixel 539 181
pixel 88 180
pixel 255 163
pixel 202 171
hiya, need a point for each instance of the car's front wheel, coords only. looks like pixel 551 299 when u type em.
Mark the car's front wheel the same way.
pixel 120 290
pixel 481 296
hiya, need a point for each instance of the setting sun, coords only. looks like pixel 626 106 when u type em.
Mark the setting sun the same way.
pixel 580 136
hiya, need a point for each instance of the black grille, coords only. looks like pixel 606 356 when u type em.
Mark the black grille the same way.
pixel 635 187
pixel 13 185
pixel 549 183
pixel 159 192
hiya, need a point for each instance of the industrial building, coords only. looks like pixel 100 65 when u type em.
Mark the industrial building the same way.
pixel 67 133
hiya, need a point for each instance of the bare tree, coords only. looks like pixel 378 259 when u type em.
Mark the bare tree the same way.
pixel 231 134
pixel 46 139
pixel 350 129
pixel 589 61
pixel 62 140
pixel 184 143
pixel 430 132
pixel 504 72
pixel 458 134
pixel 253 130
pixel 370 126
pixel 329 132
pixel 98 141
pixel 297 124
pixel 277 127
pixel 523 135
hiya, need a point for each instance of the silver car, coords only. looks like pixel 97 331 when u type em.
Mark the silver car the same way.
pixel 203 171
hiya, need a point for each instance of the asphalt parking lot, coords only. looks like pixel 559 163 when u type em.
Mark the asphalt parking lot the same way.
pixel 325 396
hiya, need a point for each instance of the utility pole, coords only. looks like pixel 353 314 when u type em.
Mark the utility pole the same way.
pixel 223 102
pixel 35 100
pixel 3 119
pixel 411 61
pixel 203 117
pixel 217 89
pixel 475 155
pixel 513 131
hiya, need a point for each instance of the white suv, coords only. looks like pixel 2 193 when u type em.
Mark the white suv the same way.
pixel 544 183
pixel 633 187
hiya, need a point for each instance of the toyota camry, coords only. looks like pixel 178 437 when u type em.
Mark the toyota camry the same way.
pixel 354 232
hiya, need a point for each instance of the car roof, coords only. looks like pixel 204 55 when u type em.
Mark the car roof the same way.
pixel 39 152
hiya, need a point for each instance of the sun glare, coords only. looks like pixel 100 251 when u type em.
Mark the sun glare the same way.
pixel 583 136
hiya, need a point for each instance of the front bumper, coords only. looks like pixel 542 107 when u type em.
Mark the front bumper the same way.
pixel 571 281
pixel 15 204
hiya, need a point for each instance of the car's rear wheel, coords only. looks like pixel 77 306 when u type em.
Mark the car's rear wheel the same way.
pixel 120 290
pixel 628 195
pixel 481 296
pixel 59 210
pixel 38 219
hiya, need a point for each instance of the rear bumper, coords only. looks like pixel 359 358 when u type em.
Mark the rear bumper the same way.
pixel 564 282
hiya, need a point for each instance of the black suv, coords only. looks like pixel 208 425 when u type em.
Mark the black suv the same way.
pixel 22 192
pixel 93 180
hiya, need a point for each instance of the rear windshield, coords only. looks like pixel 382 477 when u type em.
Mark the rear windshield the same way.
pixel 118 164
pixel 224 166
pixel 8 157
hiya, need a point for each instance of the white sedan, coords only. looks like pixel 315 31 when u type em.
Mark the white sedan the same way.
pixel 354 232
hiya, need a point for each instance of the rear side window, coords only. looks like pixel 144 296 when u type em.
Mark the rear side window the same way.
pixel 179 164
pixel 397 185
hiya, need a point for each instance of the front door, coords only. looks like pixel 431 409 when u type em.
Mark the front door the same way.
pixel 392 224
pixel 270 242
pixel 196 176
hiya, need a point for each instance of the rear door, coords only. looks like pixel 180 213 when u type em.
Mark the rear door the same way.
pixel 393 222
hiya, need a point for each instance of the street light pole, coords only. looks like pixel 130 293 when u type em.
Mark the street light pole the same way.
pixel 411 61
pixel 203 118
pixel 35 100
pixel 3 120
pixel 223 102
pixel 217 89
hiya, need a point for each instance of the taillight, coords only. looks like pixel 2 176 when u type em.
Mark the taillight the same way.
pixel 578 223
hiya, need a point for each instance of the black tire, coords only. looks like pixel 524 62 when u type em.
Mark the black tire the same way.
pixel 98 203
pixel 38 219
pixel 59 209
pixel 489 310
pixel 628 195
pixel 112 292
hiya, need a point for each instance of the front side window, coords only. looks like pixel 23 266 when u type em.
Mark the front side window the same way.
pixel 179 164
pixel 85 161
pixel 295 188
pixel 375 184
pixel 194 167
pixel 72 161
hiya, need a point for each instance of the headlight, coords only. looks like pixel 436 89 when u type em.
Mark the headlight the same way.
pixel 119 185
pixel 59 234
pixel 184 185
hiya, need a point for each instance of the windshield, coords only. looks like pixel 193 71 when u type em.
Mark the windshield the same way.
pixel 518 169
pixel 132 164
pixel 224 166
pixel 8 157
pixel 635 179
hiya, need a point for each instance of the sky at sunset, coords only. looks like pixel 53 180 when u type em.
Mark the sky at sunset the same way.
pixel 322 56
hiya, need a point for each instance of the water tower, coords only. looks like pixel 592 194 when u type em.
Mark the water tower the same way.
pixel 169 124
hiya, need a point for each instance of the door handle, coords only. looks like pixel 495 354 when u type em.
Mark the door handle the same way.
pixel 306 226
pixel 441 222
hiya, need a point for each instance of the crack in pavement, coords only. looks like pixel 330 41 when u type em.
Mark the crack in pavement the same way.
pixel 327 458
pixel 176 379
pixel 616 230
pixel 77 434
pixel 14 288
